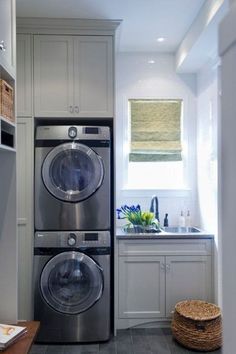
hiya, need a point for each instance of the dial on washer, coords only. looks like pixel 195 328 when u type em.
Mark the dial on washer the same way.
pixel 71 241
pixel 72 132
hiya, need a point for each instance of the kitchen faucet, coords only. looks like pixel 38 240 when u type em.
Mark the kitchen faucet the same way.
pixel 154 207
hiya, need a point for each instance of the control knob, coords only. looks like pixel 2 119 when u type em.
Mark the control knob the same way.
pixel 71 241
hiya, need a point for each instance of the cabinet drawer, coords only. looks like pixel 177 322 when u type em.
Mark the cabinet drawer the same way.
pixel 165 247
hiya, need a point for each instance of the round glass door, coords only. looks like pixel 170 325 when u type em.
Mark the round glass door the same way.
pixel 72 172
pixel 71 282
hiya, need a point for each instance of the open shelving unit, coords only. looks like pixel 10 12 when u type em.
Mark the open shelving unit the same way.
pixel 8 236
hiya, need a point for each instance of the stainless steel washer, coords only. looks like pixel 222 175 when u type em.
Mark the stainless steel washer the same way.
pixel 72 286
pixel 72 178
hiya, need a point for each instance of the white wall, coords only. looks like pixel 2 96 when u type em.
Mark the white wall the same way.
pixel 207 108
pixel 136 78
pixel 227 219
pixel 207 152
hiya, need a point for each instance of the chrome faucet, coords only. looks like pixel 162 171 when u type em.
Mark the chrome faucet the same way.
pixel 154 207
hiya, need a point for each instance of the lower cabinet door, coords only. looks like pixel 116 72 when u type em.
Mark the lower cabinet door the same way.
pixel 25 150
pixel 187 277
pixel 141 287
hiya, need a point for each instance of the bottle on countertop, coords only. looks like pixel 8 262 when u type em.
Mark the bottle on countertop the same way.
pixel 166 221
pixel 181 219
pixel 188 219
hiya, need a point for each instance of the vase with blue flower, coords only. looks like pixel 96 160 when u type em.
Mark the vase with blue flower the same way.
pixel 138 221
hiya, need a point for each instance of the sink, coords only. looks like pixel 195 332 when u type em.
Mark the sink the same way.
pixel 180 230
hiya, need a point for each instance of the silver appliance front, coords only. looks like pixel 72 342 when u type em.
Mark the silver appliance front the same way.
pixel 72 178
pixel 72 286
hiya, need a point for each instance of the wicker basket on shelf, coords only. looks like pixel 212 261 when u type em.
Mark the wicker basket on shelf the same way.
pixel 6 101
pixel 197 325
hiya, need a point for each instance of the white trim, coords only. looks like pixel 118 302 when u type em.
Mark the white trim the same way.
pixel 66 26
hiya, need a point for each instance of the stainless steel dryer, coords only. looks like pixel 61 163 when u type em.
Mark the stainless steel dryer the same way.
pixel 72 286
pixel 72 178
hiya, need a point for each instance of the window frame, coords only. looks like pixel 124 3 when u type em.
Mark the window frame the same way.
pixel 177 190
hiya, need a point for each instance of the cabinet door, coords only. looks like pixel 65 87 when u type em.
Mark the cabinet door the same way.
pixel 25 215
pixel 24 76
pixel 7 33
pixel 53 76
pixel 187 277
pixel 93 68
pixel 141 287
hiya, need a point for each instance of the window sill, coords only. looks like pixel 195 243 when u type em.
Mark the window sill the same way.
pixel 134 192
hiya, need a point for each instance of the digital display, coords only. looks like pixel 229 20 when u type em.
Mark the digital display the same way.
pixel 91 237
pixel 91 130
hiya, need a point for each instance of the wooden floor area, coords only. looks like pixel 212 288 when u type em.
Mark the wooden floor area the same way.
pixel 23 344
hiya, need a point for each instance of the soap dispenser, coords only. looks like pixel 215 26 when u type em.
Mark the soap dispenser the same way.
pixel 188 219
pixel 166 222
pixel 181 219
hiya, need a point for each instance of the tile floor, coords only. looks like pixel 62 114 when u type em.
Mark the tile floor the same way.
pixel 131 341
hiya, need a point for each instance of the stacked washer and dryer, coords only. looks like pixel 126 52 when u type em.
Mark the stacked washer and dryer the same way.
pixel 72 246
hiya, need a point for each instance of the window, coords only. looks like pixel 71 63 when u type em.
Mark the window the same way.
pixel 155 143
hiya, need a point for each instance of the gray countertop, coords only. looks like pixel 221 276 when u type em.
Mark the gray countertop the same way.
pixel 121 234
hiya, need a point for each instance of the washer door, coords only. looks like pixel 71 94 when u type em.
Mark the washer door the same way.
pixel 71 282
pixel 72 172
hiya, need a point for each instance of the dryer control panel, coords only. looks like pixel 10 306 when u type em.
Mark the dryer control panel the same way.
pixel 63 239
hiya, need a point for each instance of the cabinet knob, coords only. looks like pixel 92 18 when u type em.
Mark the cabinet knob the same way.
pixel 71 109
pixel 167 267
pixel 2 46
pixel 163 266
pixel 76 109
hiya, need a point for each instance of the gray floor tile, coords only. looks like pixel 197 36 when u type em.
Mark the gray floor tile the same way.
pixel 55 349
pixel 131 341
pixel 38 349
pixel 72 349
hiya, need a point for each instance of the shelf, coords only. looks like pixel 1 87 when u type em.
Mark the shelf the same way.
pixel 6 72
pixel 7 121
pixel 7 148
pixel 7 135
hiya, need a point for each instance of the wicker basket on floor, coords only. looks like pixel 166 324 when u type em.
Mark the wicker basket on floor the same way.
pixel 197 325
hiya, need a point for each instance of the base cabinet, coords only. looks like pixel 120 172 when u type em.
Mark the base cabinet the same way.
pixel 141 290
pixel 154 275
pixel 187 277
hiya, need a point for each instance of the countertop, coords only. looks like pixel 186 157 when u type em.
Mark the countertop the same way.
pixel 120 234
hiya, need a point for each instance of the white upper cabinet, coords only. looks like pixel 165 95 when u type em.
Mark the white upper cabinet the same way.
pixel 53 76
pixel 73 76
pixel 93 85
pixel 7 34
pixel 24 76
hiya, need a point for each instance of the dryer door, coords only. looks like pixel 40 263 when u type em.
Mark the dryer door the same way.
pixel 72 172
pixel 71 282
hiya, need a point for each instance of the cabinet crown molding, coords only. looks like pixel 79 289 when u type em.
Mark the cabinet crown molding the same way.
pixel 38 25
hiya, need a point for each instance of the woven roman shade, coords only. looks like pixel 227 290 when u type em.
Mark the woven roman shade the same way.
pixel 155 130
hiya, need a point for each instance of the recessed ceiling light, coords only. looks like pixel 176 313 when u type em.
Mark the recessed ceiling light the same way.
pixel 151 61
pixel 160 39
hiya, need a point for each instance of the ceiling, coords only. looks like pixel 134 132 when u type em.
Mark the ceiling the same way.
pixel 143 20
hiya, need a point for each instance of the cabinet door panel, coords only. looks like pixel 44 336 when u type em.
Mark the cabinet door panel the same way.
pixel 141 287
pixel 25 215
pixel 187 277
pixel 53 76
pixel 93 67
pixel 24 76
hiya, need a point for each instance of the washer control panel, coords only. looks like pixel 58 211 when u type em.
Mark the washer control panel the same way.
pixel 72 239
